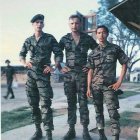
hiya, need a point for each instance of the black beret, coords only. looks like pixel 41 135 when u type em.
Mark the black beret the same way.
pixel 37 17
pixel 7 61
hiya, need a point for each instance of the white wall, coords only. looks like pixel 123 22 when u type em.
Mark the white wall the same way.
pixel 134 77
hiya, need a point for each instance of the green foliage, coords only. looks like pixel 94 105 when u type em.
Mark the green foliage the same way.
pixel 20 117
pixel 128 94
pixel 14 119
pixel 108 3
pixel 124 95
pixel 118 30
pixel 104 16
pixel 137 106
pixel 127 120
pixel 125 38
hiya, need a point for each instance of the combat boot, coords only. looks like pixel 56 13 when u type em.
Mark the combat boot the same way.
pixel 38 134
pixel 70 134
pixel 12 97
pixel 102 135
pixel 48 135
pixel 116 137
pixel 5 97
pixel 86 135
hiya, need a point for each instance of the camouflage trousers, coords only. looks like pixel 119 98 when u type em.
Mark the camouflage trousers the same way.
pixel 75 84
pixel 38 89
pixel 101 92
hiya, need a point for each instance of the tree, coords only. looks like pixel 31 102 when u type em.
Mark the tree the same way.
pixel 121 35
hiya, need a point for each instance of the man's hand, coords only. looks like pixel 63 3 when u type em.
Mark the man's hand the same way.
pixel 65 69
pixel 88 93
pixel 28 65
pixel 115 86
pixel 47 69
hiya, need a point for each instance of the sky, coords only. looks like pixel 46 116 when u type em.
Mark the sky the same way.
pixel 16 27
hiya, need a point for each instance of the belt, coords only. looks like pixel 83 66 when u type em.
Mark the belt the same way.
pixel 39 64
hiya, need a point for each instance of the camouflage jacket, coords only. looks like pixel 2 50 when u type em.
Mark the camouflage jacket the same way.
pixel 76 55
pixel 40 51
pixel 103 62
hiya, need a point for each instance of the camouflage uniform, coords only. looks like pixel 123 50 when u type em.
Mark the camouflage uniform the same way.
pixel 103 61
pixel 38 84
pixel 9 71
pixel 75 80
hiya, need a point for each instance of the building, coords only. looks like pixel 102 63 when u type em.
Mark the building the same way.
pixel 89 23
pixel 135 75
pixel 128 12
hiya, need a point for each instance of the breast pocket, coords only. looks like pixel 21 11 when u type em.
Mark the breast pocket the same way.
pixel 45 48
pixel 68 47
pixel 84 49
pixel 31 50
pixel 110 58
pixel 97 60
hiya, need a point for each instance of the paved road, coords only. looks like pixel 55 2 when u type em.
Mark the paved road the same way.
pixel 21 99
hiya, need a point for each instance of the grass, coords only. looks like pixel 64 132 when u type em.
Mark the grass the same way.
pixel 20 117
pixel 127 120
pixel 124 95
pixel 15 118
pixel 137 106
pixel 129 123
pixel 128 94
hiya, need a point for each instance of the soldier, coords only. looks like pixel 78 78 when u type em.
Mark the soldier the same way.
pixel 10 74
pixel 76 45
pixel 102 74
pixel 38 86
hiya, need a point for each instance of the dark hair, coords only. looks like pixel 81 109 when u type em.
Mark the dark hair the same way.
pixel 7 61
pixel 104 27
pixel 75 16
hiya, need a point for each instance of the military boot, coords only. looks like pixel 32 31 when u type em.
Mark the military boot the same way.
pixel 70 134
pixel 5 97
pixel 12 97
pixel 116 137
pixel 48 135
pixel 38 134
pixel 102 135
pixel 86 135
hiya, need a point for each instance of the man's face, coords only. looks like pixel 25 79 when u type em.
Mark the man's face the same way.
pixel 7 63
pixel 74 24
pixel 38 25
pixel 101 35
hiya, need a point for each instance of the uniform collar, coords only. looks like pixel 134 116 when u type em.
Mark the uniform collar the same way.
pixel 101 47
pixel 71 38
pixel 42 34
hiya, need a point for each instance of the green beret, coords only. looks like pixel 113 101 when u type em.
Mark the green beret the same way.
pixel 37 17
pixel 7 61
